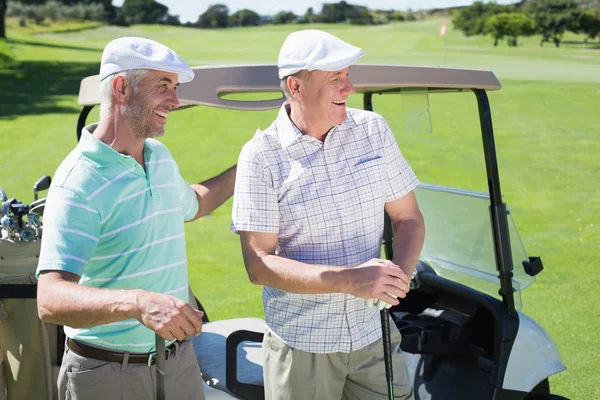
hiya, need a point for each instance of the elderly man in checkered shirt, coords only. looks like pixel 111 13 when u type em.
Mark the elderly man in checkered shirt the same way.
pixel 309 201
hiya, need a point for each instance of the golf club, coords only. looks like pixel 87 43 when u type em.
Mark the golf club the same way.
pixel 34 219
pixel 388 245
pixel 27 234
pixel 3 195
pixel 19 210
pixel 10 225
pixel 41 184
pixel 160 367
pixel 5 208
pixel 38 210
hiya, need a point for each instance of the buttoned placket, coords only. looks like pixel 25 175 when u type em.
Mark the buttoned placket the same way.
pixel 148 173
pixel 337 177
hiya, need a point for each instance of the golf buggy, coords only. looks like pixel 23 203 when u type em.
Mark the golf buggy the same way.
pixel 464 336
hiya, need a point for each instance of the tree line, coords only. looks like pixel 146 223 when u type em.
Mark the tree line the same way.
pixel 548 18
pixel 216 16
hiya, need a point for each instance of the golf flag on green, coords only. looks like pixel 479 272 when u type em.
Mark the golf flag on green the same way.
pixel 443 30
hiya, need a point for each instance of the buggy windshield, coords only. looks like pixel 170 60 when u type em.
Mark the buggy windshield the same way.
pixel 459 242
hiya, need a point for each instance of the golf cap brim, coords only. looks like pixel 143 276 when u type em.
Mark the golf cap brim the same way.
pixel 129 53
pixel 312 49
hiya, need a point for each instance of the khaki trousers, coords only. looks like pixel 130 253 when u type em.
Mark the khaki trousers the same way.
pixel 82 378
pixel 292 374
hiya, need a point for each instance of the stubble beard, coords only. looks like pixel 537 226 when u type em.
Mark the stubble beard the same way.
pixel 140 119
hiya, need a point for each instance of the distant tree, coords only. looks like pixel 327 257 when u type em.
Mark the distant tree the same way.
pixel 592 4
pixel 410 15
pixel 589 24
pixel 309 17
pixel 172 20
pixel 554 18
pixel 344 12
pixel 2 19
pixel 244 17
pixel 109 14
pixel 216 16
pixel 284 17
pixel 398 16
pixel 510 26
pixel 382 16
pixel 471 20
pixel 144 11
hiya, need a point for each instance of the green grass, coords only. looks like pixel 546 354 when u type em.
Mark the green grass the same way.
pixel 545 120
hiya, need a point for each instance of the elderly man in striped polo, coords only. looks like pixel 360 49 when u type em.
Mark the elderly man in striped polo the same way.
pixel 309 204
pixel 113 266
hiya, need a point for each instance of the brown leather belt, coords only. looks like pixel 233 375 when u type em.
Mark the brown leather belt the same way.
pixel 85 350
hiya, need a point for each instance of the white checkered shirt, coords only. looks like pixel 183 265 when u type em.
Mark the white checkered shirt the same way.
pixel 326 203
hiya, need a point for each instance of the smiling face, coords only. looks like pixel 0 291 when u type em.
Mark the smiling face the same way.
pixel 150 103
pixel 322 96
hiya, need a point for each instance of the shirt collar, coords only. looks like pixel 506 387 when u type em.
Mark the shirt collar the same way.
pixel 289 133
pixel 101 154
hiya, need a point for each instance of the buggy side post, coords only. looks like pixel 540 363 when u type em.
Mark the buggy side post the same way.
pixel 81 121
pixel 498 213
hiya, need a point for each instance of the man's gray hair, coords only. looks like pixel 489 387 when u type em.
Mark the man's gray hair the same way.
pixel 302 74
pixel 106 95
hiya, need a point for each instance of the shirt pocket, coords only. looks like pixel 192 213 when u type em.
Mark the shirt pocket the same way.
pixel 367 182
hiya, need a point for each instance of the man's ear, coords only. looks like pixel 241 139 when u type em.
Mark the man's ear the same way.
pixel 294 85
pixel 121 89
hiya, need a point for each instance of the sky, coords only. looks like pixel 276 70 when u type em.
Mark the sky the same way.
pixel 189 10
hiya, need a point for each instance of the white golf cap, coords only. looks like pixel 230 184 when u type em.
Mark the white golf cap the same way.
pixel 312 49
pixel 129 53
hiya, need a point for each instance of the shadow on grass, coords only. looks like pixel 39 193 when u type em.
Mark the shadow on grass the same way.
pixel 6 61
pixel 36 87
pixel 51 45
pixel 580 44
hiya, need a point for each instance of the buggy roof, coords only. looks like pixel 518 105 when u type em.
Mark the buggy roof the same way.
pixel 213 82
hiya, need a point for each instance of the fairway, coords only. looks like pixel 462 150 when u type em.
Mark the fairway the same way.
pixel 546 122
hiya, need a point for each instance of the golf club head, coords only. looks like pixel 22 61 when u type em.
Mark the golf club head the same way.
pixel 38 209
pixel 19 210
pixel 5 210
pixel 27 234
pixel 34 219
pixel 3 195
pixel 9 223
pixel 41 184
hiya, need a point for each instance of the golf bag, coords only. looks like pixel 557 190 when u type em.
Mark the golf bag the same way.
pixel 28 347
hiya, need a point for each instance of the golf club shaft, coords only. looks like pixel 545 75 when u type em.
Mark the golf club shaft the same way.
pixel 387 351
pixel 160 368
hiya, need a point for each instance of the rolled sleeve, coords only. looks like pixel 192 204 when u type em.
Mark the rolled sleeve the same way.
pixel 71 232
pixel 255 205
pixel 400 176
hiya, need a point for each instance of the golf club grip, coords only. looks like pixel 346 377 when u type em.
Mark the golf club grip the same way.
pixel 387 350
pixel 160 366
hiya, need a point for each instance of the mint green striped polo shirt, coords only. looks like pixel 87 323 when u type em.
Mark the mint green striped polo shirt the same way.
pixel 118 227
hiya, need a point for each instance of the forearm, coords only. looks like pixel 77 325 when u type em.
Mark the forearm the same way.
pixel 79 306
pixel 214 191
pixel 296 277
pixel 409 235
